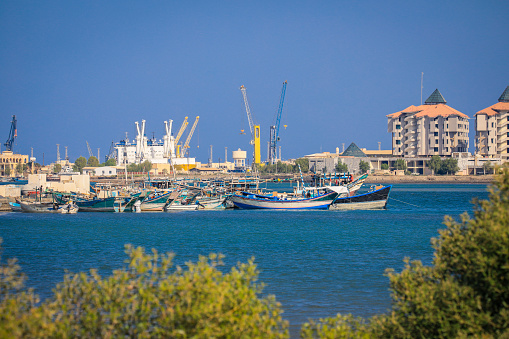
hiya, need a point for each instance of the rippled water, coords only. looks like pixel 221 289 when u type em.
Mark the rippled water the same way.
pixel 317 263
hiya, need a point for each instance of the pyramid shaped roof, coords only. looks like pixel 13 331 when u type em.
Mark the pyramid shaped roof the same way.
pixel 354 151
pixel 505 96
pixel 435 98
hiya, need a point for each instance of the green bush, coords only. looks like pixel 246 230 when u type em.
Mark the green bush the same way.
pixel 147 299
pixel 465 293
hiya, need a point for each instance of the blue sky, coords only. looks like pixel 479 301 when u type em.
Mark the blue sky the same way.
pixel 76 71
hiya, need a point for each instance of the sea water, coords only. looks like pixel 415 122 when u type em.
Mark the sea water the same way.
pixel 316 263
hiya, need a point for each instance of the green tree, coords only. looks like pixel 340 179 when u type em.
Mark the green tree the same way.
pixel 304 165
pixel 93 162
pixel 7 170
pixel 364 166
pixel 57 168
pixel 79 164
pixel 463 294
pixel 341 167
pixel 384 166
pixel 400 165
pixel 487 167
pixel 148 298
pixel 434 164
pixel 110 162
pixel 146 166
pixel 449 166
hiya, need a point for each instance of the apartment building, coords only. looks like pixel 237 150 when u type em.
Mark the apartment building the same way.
pixel 492 129
pixel 430 129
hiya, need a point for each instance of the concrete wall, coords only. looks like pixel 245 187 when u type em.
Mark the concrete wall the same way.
pixel 12 191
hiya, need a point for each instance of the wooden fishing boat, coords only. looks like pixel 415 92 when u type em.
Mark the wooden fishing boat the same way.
pixel 317 198
pixel 375 199
pixel 210 203
pixel 156 201
pixel 37 207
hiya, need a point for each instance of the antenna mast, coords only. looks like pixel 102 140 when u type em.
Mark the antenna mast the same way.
pixel 422 79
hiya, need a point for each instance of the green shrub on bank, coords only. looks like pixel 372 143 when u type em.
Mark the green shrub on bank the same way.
pixel 148 299
pixel 465 293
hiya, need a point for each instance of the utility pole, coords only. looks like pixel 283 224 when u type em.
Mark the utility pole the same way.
pixel 226 154
pixel 66 157
pixel 98 157
pixel 379 146
pixel 422 79
pixel 279 153
pixel 343 146
pixel 210 159
pixel 58 153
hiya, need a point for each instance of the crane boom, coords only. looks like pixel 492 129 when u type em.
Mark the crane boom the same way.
pixel 89 150
pixel 274 129
pixel 181 131
pixel 189 136
pixel 13 134
pixel 255 129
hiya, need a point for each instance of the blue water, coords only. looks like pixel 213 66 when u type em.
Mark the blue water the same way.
pixel 317 263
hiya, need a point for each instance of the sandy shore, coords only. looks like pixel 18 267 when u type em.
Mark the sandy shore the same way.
pixel 438 179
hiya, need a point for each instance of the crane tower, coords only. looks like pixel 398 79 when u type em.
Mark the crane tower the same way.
pixel 274 129
pixel 255 129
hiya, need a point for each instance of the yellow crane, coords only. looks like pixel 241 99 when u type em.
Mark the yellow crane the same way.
pixel 189 136
pixel 255 129
pixel 181 131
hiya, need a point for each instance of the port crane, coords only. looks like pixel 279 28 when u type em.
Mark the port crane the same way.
pixel 255 129
pixel 179 135
pixel 274 129
pixel 189 136
pixel 13 134
pixel 89 150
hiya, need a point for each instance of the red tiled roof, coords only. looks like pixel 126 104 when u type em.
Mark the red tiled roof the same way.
pixel 429 111
pixel 494 109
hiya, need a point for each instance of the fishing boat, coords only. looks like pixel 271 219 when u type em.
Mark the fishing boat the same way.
pixel 38 207
pixel 374 199
pixel 156 201
pixel 210 203
pixel 97 204
pixel 69 208
pixel 315 198
pixel 15 206
pixel 177 206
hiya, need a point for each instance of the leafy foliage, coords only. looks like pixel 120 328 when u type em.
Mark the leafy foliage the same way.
pixel 143 167
pixel 79 164
pixel 93 162
pixel 110 162
pixel 400 164
pixel 149 298
pixel 364 166
pixel 487 167
pixel 384 166
pixel 465 293
pixel 441 167
pixel 304 164
pixel 341 167
pixel 57 168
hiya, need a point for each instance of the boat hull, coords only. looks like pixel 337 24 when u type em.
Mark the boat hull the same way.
pixel 371 200
pixel 320 202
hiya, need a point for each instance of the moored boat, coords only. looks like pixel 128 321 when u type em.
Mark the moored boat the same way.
pixel 311 199
pixel 375 199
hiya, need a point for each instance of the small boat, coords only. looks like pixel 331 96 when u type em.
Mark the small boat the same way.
pixel 316 198
pixel 374 199
pixel 37 207
pixel 156 201
pixel 15 206
pixel 70 208
pixel 210 203
pixel 179 207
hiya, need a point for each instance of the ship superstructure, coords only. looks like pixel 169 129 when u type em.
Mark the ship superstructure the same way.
pixel 155 150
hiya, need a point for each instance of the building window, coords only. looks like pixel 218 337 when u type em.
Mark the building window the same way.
pixel 492 124
pixel 398 126
pixel 435 134
pixel 436 141
pixel 398 142
pixel 491 140
pixel 435 149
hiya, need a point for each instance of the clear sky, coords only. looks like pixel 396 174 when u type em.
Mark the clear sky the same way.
pixel 73 71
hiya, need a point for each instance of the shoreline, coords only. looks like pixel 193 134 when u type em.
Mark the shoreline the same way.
pixel 430 179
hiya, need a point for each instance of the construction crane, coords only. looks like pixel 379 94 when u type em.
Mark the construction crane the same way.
pixel 255 129
pixel 13 134
pixel 181 131
pixel 111 153
pixel 274 129
pixel 189 136
pixel 89 150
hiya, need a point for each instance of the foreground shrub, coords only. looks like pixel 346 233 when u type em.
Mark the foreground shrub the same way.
pixel 148 299
pixel 465 293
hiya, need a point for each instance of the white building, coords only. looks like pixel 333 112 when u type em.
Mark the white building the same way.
pixel 492 129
